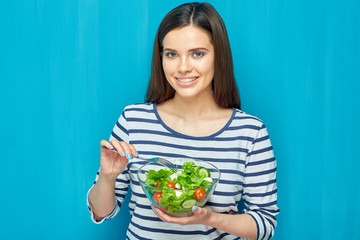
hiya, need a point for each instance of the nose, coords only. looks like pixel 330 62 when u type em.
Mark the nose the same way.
pixel 184 65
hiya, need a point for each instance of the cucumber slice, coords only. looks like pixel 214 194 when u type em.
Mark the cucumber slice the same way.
pixel 197 169
pixel 188 203
pixel 204 173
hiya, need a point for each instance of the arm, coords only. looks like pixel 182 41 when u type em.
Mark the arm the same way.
pixel 101 198
pixel 260 189
pixel 105 197
pixel 241 225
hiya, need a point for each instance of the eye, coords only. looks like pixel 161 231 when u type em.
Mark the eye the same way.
pixel 171 55
pixel 198 54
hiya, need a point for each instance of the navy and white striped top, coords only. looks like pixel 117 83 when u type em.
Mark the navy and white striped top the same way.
pixel 241 150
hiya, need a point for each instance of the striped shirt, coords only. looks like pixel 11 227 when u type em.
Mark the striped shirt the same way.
pixel 241 150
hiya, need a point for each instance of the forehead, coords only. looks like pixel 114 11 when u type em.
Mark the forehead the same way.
pixel 187 38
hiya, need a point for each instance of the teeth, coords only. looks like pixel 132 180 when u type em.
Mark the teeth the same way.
pixel 186 80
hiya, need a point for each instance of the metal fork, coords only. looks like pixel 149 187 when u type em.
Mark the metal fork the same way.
pixel 158 160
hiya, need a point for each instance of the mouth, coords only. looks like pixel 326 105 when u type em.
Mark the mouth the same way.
pixel 186 80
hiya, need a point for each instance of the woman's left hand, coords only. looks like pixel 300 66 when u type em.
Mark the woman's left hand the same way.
pixel 201 216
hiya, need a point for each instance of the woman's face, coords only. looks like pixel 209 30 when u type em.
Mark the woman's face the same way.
pixel 188 61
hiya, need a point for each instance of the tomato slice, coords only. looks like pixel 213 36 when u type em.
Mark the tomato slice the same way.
pixel 199 194
pixel 158 184
pixel 171 185
pixel 157 196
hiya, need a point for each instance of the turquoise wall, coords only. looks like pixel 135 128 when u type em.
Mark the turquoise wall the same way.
pixel 67 69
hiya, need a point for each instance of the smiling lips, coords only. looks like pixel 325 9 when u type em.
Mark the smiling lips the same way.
pixel 186 80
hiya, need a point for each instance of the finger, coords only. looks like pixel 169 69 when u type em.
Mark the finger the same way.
pixel 125 146
pixel 167 218
pixel 196 209
pixel 154 209
pixel 118 147
pixel 106 144
pixel 160 214
pixel 133 151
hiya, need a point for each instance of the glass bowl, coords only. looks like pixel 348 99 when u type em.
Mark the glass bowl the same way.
pixel 178 202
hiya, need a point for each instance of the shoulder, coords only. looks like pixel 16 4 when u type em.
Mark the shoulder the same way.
pixel 243 118
pixel 138 109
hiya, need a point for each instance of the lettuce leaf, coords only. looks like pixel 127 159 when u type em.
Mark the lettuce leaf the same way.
pixel 188 179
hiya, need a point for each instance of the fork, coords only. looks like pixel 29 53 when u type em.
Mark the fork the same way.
pixel 158 160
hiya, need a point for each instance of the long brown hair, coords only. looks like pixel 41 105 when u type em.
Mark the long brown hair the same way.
pixel 204 16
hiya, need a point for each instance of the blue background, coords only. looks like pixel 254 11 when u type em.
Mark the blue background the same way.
pixel 68 68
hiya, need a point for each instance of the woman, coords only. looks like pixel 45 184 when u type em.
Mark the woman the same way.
pixel 192 110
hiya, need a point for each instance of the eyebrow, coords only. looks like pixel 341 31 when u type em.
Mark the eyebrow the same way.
pixel 191 50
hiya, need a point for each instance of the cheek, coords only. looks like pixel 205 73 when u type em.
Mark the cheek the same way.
pixel 169 70
pixel 207 67
pixel 167 67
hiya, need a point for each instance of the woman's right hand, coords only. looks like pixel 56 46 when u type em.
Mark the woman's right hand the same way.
pixel 112 163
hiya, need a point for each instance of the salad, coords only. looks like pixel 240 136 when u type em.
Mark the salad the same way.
pixel 190 184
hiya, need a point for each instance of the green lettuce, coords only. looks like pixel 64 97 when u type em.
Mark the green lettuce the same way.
pixel 188 179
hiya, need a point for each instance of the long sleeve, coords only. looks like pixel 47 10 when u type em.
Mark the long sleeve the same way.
pixel 121 188
pixel 260 190
pixel 119 132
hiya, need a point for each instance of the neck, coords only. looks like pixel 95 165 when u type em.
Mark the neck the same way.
pixel 191 108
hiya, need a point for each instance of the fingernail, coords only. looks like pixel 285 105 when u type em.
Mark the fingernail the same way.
pixel 129 157
pixel 195 208
pixel 156 210
pixel 152 207
pixel 111 147
pixel 136 154
pixel 123 153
